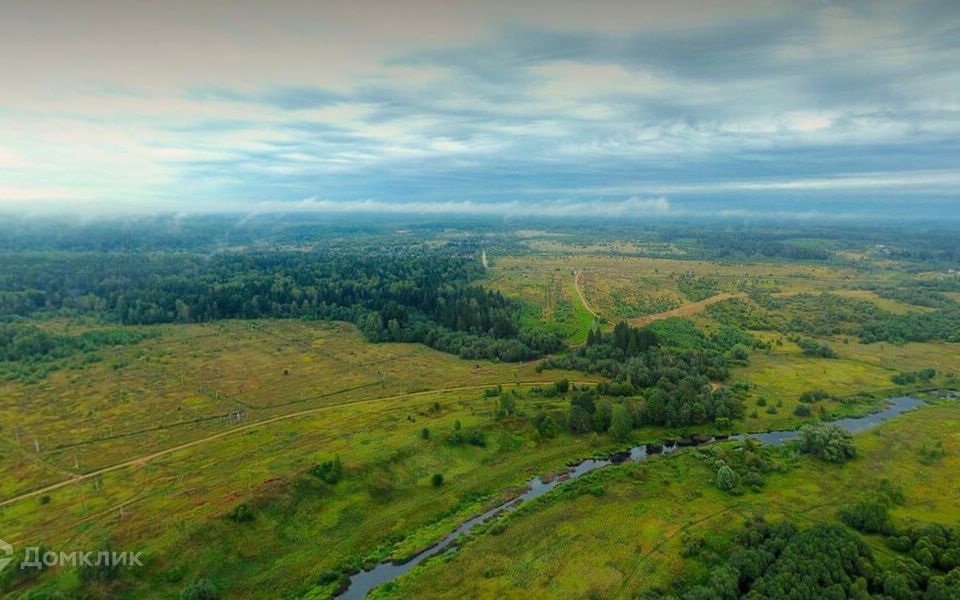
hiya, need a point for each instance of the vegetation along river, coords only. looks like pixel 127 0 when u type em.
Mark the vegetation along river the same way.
pixel 363 582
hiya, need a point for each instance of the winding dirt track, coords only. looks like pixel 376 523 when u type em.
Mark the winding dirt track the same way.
pixel 583 299
pixel 142 460
pixel 686 310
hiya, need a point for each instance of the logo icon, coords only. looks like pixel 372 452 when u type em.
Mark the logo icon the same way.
pixel 6 554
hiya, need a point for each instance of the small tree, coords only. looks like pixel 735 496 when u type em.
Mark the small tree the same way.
pixel 621 423
pixel 726 478
pixel 425 433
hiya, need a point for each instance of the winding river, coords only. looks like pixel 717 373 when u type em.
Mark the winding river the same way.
pixel 363 582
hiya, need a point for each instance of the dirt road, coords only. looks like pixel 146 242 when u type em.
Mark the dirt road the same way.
pixel 684 311
pixel 142 460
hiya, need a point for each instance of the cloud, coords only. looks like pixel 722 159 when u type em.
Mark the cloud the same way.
pixel 632 208
pixel 506 103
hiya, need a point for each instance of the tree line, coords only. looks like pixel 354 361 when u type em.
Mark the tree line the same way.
pixel 399 295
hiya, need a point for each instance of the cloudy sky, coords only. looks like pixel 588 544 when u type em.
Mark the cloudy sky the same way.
pixel 497 107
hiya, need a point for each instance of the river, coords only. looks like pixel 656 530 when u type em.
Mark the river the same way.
pixel 363 582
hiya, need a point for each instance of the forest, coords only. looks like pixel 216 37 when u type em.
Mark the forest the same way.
pixel 396 296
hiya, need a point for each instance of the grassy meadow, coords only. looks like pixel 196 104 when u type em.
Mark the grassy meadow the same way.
pixel 619 532
pixel 199 445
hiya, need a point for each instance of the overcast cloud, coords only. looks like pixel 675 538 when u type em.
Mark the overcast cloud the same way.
pixel 517 108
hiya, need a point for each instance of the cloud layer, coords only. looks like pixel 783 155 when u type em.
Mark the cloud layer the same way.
pixel 485 108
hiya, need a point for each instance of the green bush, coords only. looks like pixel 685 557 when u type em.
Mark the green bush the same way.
pixel 202 589
pixel 726 478
pixel 827 442
pixel 331 470
pixel 869 515
pixel 240 513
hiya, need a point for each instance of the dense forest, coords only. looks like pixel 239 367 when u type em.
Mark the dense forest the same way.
pixel 781 561
pixel 672 363
pixel 394 296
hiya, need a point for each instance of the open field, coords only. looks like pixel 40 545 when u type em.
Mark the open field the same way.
pixel 193 381
pixel 628 538
pixel 367 403
pixel 167 444
pixel 860 372
pixel 627 287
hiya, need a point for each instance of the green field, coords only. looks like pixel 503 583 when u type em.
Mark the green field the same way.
pixel 628 539
pixel 275 449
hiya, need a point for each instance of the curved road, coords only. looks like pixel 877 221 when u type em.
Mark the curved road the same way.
pixel 142 460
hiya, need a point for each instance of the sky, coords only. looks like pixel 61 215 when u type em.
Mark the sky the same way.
pixel 518 107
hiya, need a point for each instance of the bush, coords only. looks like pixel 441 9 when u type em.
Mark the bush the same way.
pixel 425 433
pixel 474 437
pixel 812 396
pixel 240 513
pixel 437 480
pixel 726 478
pixel 828 442
pixel 868 515
pixel 202 589
pixel 328 577
pixel 812 348
pixel 331 470
pixel 802 410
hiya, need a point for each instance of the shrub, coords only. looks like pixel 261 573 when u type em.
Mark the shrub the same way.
pixel 868 515
pixel 802 410
pixel 691 546
pixel 828 442
pixel 812 348
pixel 726 478
pixel 437 480
pixel 473 437
pixel 328 577
pixel 812 396
pixel 425 433
pixel 201 589
pixel 240 513
pixel 330 470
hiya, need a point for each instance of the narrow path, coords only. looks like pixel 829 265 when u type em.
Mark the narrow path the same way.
pixel 686 310
pixel 142 460
pixel 583 299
